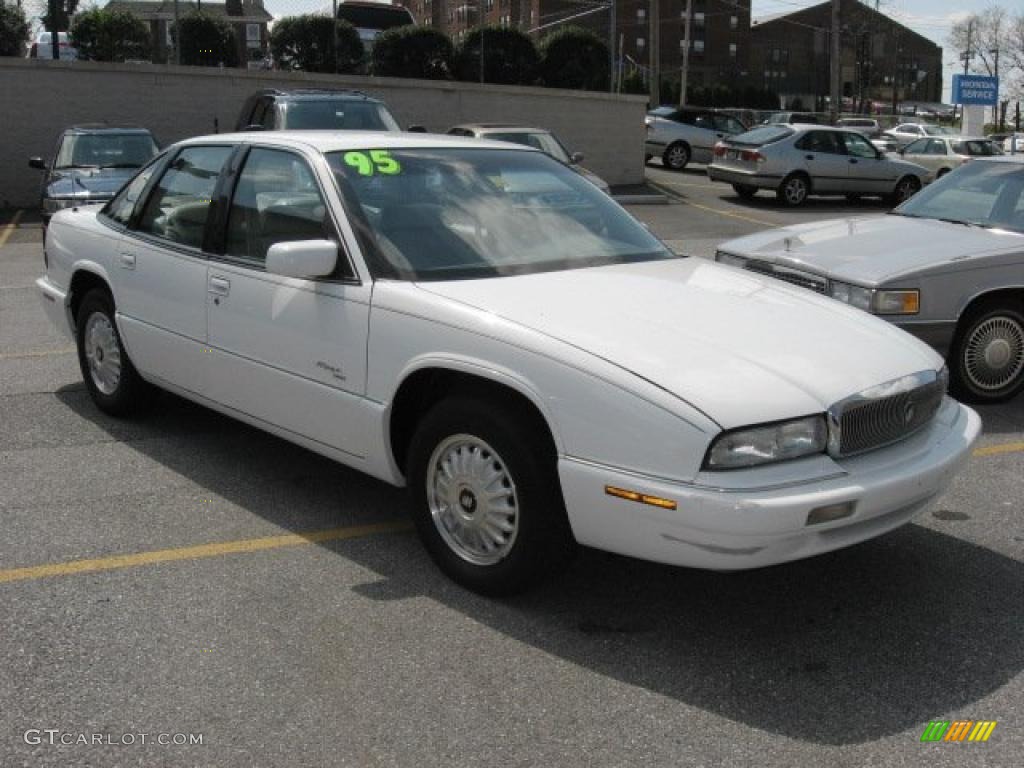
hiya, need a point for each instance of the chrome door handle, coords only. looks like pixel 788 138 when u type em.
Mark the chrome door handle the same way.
pixel 219 286
pixel 126 260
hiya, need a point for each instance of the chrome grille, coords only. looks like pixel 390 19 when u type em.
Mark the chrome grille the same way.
pixel 885 414
pixel 787 274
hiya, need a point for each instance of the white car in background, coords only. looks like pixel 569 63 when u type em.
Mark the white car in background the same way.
pixel 942 154
pixel 478 322
pixel 904 133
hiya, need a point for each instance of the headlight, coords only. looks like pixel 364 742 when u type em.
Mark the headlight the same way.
pixel 752 446
pixel 731 259
pixel 853 295
pixel 896 303
pixel 54 204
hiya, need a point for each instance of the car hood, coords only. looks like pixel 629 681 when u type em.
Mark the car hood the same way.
pixel 869 250
pixel 740 348
pixel 95 183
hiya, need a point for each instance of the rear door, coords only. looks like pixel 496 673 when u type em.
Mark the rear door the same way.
pixel 287 351
pixel 868 172
pixel 823 156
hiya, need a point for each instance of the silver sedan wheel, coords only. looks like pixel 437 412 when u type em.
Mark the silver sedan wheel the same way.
pixel 678 156
pixel 795 190
pixel 905 190
pixel 472 499
pixel 994 353
pixel 102 353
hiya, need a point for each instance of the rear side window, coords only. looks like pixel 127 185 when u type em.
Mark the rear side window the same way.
pixel 765 134
pixel 276 200
pixel 179 205
pixel 821 141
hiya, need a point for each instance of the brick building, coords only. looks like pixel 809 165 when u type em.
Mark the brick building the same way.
pixel 880 58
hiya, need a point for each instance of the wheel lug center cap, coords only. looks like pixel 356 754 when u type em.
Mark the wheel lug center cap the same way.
pixel 998 353
pixel 467 502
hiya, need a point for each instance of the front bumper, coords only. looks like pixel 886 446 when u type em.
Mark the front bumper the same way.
pixel 735 529
pixel 55 304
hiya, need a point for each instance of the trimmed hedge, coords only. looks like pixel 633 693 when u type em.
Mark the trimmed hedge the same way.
pixel 104 35
pixel 510 57
pixel 413 51
pixel 304 43
pixel 206 41
pixel 574 57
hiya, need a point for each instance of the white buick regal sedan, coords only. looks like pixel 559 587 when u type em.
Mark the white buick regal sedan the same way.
pixel 476 321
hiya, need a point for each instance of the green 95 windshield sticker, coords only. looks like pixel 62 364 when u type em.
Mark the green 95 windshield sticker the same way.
pixel 374 161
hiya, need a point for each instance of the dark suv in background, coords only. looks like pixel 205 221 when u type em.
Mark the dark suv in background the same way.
pixel 275 110
pixel 90 164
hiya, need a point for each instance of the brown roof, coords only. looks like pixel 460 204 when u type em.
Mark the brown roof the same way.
pixel 164 9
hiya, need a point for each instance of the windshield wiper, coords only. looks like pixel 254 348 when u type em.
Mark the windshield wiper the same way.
pixel 118 165
pixel 72 167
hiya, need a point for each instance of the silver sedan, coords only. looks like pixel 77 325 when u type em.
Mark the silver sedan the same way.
pixel 796 161
pixel 948 266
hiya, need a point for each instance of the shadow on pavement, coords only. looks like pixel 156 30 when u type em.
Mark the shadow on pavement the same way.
pixel 845 648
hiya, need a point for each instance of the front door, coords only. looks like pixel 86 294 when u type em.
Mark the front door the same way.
pixel 869 172
pixel 286 351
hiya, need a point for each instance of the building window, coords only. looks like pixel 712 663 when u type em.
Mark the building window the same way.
pixel 640 42
pixel 734 22
pixel 698 18
pixel 167 33
pixel 698 46
pixel 732 50
pixel 252 35
pixel 641 14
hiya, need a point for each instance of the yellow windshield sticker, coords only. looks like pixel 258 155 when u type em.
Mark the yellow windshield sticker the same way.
pixel 374 161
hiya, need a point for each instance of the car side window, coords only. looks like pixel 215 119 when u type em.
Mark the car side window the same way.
pixel 120 209
pixel 820 141
pixel 917 147
pixel 704 121
pixel 276 200
pixel 259 108
pixel 936 147
pixel 179 205
pixel 267 117
pixel 857 146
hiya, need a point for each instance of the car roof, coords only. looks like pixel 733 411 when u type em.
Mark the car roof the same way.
pixel 486 127
pixel 105 128
pixel 315 93
pixel 336 141
pixel 816 127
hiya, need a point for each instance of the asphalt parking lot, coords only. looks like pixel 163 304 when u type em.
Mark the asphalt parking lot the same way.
pixel 184 575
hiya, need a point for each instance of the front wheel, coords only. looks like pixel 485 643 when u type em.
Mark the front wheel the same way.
pixel 676 157
pixel 111 379
pixel 987 358
pixel 906 188
pixel 794 190
pixel 485 496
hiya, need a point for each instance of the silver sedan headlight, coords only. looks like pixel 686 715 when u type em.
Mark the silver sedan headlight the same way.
pixel 752 446
pixel 875 301
pixel 854 295
pixel 731 259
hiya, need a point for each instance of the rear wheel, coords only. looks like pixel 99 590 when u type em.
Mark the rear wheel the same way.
pixel 113 383
pixel 485 496
pixel 905 189
pixel 987 358
pixel 745 190
pixel 677 156
pixel 794 190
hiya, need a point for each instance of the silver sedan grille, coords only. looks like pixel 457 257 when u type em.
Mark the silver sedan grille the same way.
pixel 885 414
pixel 809 280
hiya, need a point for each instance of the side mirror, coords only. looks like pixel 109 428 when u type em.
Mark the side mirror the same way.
pixel 254 127
pixel 37 162
pixel 306 259
pixel 576 158
pixel 417 129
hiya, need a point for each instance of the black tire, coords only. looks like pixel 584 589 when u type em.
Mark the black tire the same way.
pixel 905 188
pixel 941 172
pixel 974 376
pixel 677 156
pixel 794 190
pixel 525 461
pixel 745 191
pixel 126 395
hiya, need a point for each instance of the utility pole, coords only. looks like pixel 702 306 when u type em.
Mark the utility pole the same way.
pixel 684 75
pixel 334 37
pixel 613 69
pixel 836 66
pixel 655 48
pixel 54 27
pixel 177 35
pixel 996 117
pixel 482 21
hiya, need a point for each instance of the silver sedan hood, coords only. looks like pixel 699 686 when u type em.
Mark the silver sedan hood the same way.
pixel 741 348
pixel 868 250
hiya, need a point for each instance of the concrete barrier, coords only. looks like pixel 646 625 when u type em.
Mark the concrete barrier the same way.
pixel 39 98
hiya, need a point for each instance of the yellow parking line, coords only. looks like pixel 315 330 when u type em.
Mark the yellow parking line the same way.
pixel 993 450
pixel 203 550
pixel 708 208
pixel 9 227
pixel 37 353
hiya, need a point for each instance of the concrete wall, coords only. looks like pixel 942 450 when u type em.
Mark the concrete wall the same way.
pixel 38 98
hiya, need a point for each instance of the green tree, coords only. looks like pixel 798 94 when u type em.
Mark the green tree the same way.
pixel 510 57
pixel 413 51
pixel 13 31
pixel 304 42
pixel 104 35
pixel 576 58
pixel 65 10
pixel 206 41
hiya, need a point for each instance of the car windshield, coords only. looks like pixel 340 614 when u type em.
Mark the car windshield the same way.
pixel 337 115
pixel 939 130
pixel 455 213
pixel 105 150
pixel 984 194
pixel 543 141
pixel 765 134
